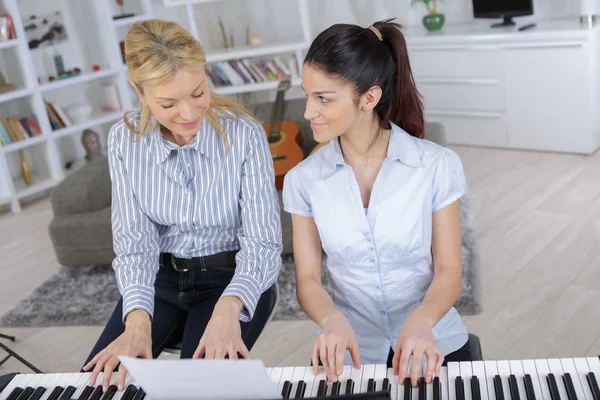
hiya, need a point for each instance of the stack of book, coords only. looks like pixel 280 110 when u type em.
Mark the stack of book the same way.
pixel 58 118
pixel 7 28
pixel 17 128
pixel 246 71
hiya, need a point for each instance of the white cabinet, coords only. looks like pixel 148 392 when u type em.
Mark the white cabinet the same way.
pixel 533 90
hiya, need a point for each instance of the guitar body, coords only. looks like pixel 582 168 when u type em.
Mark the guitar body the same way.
pixel 284 138
pixel 286 152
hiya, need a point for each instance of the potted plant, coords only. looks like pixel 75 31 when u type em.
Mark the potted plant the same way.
pixel 433 21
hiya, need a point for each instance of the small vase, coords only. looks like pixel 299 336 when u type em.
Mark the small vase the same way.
pixel 25 170
pixel 434 22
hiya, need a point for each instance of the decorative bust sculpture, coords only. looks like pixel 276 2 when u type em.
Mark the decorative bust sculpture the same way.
pixel 91 144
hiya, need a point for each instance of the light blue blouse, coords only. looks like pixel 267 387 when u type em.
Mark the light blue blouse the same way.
pixel 380 261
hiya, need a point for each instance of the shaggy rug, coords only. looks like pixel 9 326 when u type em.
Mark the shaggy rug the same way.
pixel 87 295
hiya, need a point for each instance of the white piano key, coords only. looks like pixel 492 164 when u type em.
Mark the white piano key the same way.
pixel 453 372
pixel 286 375
pixel 368 373
pixel 47 383
pixel 53 383
pixel 568 366
pixel 444 382
pixel 479 372
pixel 128 381
pixel 516 368
pixel 491 370
pixel 356 376
pixel 556 368
pixel 276 375
pixel 466 373
pixel 393 384
pixel 530 368
pixel 415 389
pixel 429 387
pixel 543 370
pixel 583 369
pixel 297 376
pixel 594 365
pixel 380 375
pixel 504 372
pixel 318 378
pixel 309 379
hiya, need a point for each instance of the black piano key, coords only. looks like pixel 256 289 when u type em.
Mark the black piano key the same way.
pixel 38 393
pixel 86 393
pixel 529 388
pixel 422 389
pixel 407 389
pixel 385 385
pixel 371 385
pixel 349 386
pixel 459 388
pixel 14 395
pixel 129 392
pixel 475 388
pixel 69 391
pixel 96 394
pixel 28 391
pixel 110 392
pixel 553 386
pixel 568 381
pixel 300 390
pixel 437 388
pixel 55 394
pixel 287 389
pixel 514 387
pixel 139 395
pixel 322 391
pixel 591 378
pixel 498 390
pixel 335 388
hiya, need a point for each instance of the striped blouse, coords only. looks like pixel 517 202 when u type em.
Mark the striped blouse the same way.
pixel 193 201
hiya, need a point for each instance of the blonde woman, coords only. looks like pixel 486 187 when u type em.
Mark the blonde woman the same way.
pixel 195 212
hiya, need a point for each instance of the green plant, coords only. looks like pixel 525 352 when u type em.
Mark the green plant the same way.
pixel 430 4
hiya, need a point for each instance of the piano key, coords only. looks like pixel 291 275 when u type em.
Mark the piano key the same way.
pixel 275 375
pixel 54 386
pixel 322 388
pixel 583 369
pixel 415 389
pixel 444 382
pixel 556 369
pixel 309 380
pixel 592 380
pixel 543 370
pixel 407 389
pixel 129 392
pixel 335 388
pixel 437 395
pixel 568 365
pixel 479 371
pixel 498 388
pixel 300 390
pixel 86 393
pixel 140 394
pixel 380 375
pixel 97 393
pixel 14 395
pixel 38 393
pixel 28 391
pixel 286 390
pixel 370 385
pixel 530 370
pixel 569 386
pixel 553 386
pixel 453 373
pixel 529 390
pixel 459 388
pixel 19 381
pixel 67 393
pixel 297 377
pixel 514 389
pixel 286 376
pixel 367 373
pixel 385 386
pixel 593 377
pixel 475 389
pixel 393 384
pixel 422 389
pixel 466 373
pixel 343 378
pixel 317 379
pixel 349 387
pixel 516 368
pixel 491 370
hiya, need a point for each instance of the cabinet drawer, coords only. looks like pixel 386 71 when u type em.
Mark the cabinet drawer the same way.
pixel 467 96
pixel 473 130
pixel 462 62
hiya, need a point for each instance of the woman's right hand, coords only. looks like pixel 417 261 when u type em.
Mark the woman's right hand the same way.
pixel 135 341
pixel 330 347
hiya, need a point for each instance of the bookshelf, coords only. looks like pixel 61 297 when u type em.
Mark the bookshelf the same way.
pixel 92 57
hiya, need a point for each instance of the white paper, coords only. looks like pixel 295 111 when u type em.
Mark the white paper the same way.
pixel 188 379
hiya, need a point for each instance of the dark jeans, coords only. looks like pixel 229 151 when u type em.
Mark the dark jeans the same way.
pixel 183 305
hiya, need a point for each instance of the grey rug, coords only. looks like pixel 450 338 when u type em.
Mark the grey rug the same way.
pixel 87 295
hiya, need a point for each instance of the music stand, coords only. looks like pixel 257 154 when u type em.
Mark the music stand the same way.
pixel 15 355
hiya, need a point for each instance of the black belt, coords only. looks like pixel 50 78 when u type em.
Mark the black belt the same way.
pixel 225 259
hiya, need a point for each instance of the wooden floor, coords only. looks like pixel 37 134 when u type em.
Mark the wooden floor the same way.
pixel 538 218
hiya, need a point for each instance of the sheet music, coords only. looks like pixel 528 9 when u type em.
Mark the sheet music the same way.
pixel 188 379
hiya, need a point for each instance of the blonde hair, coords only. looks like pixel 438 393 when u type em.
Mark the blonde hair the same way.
pixel 155 50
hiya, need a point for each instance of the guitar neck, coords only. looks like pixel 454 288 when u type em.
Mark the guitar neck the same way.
pixel 278 110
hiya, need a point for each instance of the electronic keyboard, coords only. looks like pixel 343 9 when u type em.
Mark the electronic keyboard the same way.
pixel 535 379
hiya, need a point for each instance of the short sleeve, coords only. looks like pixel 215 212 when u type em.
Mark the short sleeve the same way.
pixel 449 181
pixel 295 200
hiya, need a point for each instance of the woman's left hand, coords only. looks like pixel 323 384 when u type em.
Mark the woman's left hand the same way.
pixel 223 335
pixel 416 339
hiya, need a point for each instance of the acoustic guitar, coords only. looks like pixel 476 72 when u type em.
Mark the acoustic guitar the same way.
pixel 284 137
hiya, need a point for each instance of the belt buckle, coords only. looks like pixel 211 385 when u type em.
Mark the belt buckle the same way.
pixel 175 267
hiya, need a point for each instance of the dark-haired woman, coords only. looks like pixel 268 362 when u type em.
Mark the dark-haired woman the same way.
pixel 383 203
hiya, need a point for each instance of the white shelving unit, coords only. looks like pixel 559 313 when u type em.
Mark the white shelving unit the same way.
pixel 93 38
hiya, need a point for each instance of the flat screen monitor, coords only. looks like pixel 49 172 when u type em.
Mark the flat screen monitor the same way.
pixel 505 9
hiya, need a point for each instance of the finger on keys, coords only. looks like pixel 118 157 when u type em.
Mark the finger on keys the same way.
pixel 315 358
pixel 323 357
pixel 405 353
pixel 121 378
pixel 417 366
pixel 98 368
pixel 109 367
pixel 354 353
pixel 432 357
pixel 331 369
pixel 340 354
pixel 438 364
